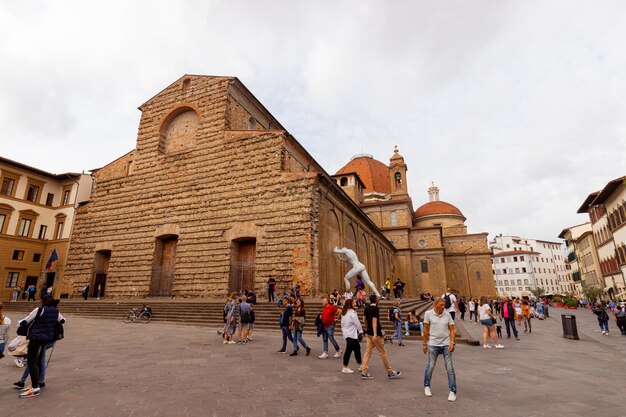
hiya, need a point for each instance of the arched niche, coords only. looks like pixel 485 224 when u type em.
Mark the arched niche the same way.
pixel 178 130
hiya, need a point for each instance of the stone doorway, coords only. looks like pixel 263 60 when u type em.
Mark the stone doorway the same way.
pixel 100 270
pixel 242 265
pixel 164 266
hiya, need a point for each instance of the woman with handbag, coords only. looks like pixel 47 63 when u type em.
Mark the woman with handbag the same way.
pixel 352 332
pixel 299 319
pixel 41 332
pixel 488 321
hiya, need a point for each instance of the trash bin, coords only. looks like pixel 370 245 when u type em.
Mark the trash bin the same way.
pixel 570 331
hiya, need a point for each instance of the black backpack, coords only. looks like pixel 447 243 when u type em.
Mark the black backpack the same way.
pixel 446 298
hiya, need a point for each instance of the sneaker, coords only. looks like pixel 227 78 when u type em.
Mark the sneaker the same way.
pixel 407 334
pixel 394 374
pixel 499 346
pixel 281 351
pixel 366 375
pixel 18 385
pixel 308 351
pixel 347 371
pixel 603 332
pixel 323 356
pixel 338 354
pixel 42 385
pixel 486 347
pixel 360 367
pixel 400 344
pixel 294 353
pixel 427 392
pixel 19 363
pixel 232 342
pixel 32 392
pixel 516 338
pixel 452 396
pixel 225 342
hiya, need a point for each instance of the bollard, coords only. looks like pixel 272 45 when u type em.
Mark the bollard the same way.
pixel 570 331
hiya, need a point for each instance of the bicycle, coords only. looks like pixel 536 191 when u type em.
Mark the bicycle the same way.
pixel 134 316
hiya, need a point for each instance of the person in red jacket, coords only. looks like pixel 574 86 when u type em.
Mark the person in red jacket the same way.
pixel 329 317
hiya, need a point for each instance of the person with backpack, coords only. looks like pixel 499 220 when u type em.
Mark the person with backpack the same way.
pixel 44 321
pixel 603 318
pixel 451 304
pixel 395 316
pixel 299 320
pixel 244 320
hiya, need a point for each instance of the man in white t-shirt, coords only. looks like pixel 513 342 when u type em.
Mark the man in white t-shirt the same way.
pixel 439 334
pixel 453 305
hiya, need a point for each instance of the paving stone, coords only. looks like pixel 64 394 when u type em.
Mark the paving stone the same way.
pixel 106 368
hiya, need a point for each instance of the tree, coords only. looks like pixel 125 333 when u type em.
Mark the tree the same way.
pixel 538 292
pixel 592 292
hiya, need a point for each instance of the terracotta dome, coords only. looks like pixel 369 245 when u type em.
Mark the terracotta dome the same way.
pixel 433 208
pixel 373 173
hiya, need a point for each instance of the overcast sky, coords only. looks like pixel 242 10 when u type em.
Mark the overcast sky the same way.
pixel 516 110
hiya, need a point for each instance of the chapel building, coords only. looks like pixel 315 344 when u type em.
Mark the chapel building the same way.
pixel 217 197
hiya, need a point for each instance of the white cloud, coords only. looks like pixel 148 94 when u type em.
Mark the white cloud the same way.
pixel 514 109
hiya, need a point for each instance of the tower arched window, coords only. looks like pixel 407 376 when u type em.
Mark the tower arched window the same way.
pixel 398 178
pixel 424 265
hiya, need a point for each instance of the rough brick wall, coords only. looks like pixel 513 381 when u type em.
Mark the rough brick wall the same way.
pixel 229 185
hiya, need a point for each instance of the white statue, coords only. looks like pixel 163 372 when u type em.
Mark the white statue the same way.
pixel 348 255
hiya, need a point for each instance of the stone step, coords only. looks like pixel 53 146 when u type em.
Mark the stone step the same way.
pixel 204 313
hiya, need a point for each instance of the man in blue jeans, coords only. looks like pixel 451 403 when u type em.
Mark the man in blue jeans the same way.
pixel 439 335
pixel 329 317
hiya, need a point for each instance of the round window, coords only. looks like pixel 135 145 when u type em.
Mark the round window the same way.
pixel 422 243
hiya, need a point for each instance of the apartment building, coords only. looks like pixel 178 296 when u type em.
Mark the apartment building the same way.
pixel 582 257
pixel 607 211
pixel 36 216
pixel 522 264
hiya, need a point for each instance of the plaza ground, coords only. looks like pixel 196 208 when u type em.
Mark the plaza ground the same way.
pixel 108 368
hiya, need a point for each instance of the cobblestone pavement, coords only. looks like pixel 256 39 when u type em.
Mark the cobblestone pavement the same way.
pixel 108 368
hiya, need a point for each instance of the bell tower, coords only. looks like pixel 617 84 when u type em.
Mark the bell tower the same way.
pixel 397 174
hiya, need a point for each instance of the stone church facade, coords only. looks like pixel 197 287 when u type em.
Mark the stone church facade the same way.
pixel 217 196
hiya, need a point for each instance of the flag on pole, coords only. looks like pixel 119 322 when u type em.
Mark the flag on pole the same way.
pixel 53 257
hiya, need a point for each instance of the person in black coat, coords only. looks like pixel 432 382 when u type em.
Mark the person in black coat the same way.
pixel 42 331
